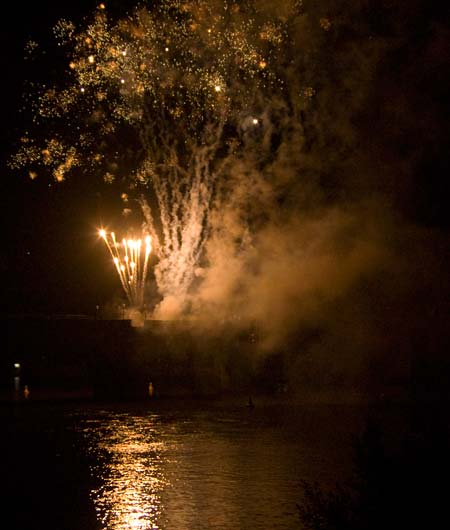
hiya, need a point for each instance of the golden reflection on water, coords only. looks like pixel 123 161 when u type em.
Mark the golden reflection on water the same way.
pixel 208 469
pixel 132 480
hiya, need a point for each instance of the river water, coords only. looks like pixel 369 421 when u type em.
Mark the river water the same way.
pixel 170 465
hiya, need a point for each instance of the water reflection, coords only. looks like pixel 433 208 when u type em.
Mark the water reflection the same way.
pixel 207 468
pixel 130 471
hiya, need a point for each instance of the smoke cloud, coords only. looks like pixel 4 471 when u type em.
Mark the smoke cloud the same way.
pixel 323 229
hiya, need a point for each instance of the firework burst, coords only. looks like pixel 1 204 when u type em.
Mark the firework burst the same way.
pixel 156 101
pixel 131 262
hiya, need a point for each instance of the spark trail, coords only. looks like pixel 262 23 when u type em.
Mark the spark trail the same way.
pixel 131 264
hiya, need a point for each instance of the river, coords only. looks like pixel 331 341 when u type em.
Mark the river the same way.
pixel 169 464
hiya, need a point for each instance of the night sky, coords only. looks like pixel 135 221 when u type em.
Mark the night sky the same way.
pixel 51 258
pixel 378 138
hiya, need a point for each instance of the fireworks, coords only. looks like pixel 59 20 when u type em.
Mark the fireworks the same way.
pixel 131 263
pixel 156 101
pixel 182 63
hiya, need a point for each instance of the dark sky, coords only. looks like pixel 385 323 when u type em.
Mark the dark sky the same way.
pixel 51 260
pixel 50 257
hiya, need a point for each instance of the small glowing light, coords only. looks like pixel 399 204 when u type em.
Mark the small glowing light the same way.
pixel 255 121
pixel 325 23
pixel 209 30
pixel 102 233
pixel 91 59
pixel 166 49
pixel 101 6
pixel 116 261
pixel 262 64
pixel 16 365
pixel 122 81
pixel 124 53
pixel 82 89
pixel 72 65
pixel 217 88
